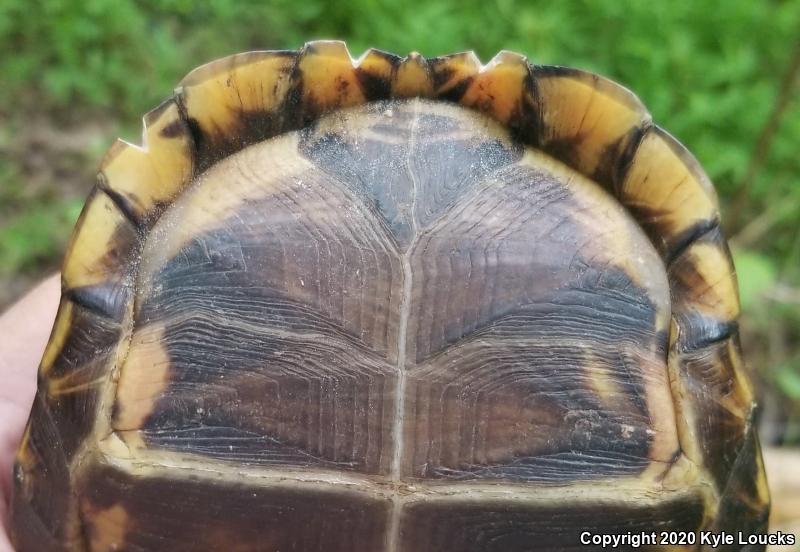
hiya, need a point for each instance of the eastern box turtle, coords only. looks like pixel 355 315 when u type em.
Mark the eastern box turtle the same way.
pixel 391 304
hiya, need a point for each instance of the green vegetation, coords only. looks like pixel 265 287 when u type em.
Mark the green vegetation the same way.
pixel 712 73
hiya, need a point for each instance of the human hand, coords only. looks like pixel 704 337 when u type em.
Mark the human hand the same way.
pixel 24 330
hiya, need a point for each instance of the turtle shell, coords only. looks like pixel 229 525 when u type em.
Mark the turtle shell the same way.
pixel 391 304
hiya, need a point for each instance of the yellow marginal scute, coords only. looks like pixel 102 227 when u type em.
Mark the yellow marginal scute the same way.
pixel 413 78
pixel 94 256
pixel 375 63
pixel 215 95
pixel 454 69
pixel 676 195
pixel 708 274
pixel 498 89
pixel 58 336
pixel 155 172
pixel 589 111
pixel 329 77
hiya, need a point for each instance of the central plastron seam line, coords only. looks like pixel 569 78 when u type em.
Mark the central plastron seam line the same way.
pixel 393 533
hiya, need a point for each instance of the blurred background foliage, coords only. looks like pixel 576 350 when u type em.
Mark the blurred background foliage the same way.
pixel 722 76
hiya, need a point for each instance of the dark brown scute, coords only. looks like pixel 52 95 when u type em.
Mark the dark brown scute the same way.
pixel 70 393
pixel 470 396
pixel 40 501
pixel 721 417
pixel 238 389
pixel 502 527
pixel 215 515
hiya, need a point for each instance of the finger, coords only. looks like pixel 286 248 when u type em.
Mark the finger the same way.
pixel 24 331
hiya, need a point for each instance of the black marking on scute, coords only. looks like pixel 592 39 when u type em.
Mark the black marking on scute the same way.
pixel 525 122
pixel 125 243
pixel 377 87
pixel 252 126
pixel 292 104
pixel 455 93
pixel 549 71
pixel 173 130
pixel 687 238
pixel 301 107
pixel 623 161
pixel 699 332
pixel 705 232
pixel 564 149
pixel 198 138
pixel 120 201
pixel 108 300
pixel 442 72
pixel 500 526
pixel 611 157
pixel 609 160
